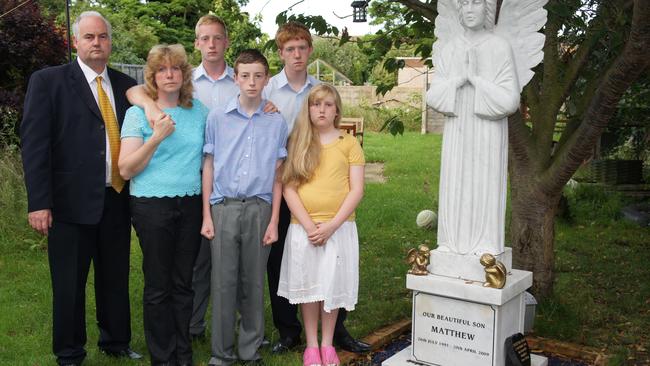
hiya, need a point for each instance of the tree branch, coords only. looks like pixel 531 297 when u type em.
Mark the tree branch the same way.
pixel 545 116
pixel 578 61
pixel 519 140
pixel 429 10
pixel 532 93
pixel 573 124
pixel 628 67
pixel 594 32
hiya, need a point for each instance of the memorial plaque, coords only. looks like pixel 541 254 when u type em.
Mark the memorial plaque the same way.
pixel 447 331
pixel 517 351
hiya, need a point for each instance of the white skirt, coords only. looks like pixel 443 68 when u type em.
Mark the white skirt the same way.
pixel 328 273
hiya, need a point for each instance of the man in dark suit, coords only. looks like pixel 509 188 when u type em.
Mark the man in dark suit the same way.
pixel 70 145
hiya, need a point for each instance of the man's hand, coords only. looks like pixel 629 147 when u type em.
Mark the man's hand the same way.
pixel 40 220
pixel 271 234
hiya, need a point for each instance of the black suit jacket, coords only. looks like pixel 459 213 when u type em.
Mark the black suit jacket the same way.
pixel 64 142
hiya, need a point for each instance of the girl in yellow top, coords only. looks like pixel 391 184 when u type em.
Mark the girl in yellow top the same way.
pixel 323 184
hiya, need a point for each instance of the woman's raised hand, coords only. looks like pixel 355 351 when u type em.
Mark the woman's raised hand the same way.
pixel 163 127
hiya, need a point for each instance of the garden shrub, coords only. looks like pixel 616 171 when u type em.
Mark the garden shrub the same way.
pixel 594 204
pixel 13 198
pixel 8 123
pixel 375 117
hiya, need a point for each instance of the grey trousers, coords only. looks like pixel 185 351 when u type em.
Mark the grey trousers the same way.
pixel 238 267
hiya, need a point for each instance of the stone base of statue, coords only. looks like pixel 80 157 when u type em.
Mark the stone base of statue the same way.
pixel 464 266
pixel 404 358
pixel 458 322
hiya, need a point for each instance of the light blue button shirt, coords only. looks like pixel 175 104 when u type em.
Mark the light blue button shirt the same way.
pixel 214 93
pixel 245 150
pixel 287 100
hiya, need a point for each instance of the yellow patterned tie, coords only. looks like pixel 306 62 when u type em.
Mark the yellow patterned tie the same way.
pixel 113 132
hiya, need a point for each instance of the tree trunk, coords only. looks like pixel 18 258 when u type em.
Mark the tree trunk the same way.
pixel 536 186
pixel 532 230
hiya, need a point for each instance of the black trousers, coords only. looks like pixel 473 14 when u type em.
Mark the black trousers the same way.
pixel 71 248
pixel 169 232
pixel 285 315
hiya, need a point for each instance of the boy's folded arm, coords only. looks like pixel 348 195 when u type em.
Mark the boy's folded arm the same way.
pixel 138 96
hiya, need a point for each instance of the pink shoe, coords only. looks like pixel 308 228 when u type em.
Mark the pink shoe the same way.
pixel 329 357
pixel 311 357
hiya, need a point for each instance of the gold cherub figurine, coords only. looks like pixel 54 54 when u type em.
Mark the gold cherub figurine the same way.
pixel 418 259
pixel 495 271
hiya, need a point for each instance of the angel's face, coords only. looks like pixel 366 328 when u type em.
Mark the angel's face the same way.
pixel 472 13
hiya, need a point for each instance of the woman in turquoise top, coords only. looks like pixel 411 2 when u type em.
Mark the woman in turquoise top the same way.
pixel 163 162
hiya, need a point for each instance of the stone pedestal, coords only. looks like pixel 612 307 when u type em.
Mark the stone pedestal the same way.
pixel 403 358
pixel 458 322
pixel 464 266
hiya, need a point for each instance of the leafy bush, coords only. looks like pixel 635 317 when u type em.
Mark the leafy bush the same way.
pixel 8 124
pixel 28 42
pixel 375 117
pixel 594 204
pixel 13 198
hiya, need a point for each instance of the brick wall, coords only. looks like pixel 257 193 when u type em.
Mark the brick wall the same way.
pixel 365 95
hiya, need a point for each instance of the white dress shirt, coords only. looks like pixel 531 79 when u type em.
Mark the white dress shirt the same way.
pixel 287 100
pixel 214 93
pixel 91 78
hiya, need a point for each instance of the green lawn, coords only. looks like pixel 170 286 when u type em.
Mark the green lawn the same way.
pixel 602 294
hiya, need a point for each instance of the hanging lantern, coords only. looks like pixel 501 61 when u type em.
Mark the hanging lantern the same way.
pixel 359 11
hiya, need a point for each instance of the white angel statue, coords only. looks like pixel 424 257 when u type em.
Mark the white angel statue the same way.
pixel 479 71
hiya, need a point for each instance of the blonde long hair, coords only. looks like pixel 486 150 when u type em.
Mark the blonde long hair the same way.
pixel 304 142
pixel 175 55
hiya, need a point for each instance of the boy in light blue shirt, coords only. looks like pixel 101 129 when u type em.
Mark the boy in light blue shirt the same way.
pixel 244 147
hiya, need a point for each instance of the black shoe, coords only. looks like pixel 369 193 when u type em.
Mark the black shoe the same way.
pixel 285 344
pixel 184 363
pixel 257 362
pixel 123 353
pixel 265 342
pixel 350 344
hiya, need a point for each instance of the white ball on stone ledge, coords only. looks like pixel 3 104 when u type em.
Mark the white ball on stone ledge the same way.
pixel 426 219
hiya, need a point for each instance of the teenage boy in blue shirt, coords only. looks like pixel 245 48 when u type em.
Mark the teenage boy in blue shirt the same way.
pixel 244 147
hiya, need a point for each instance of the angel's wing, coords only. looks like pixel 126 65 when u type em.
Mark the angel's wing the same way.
pixel 411 255
pixel 447 25
pixel 519 22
